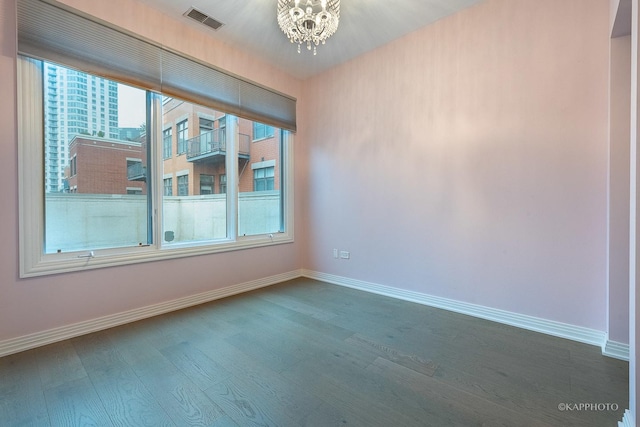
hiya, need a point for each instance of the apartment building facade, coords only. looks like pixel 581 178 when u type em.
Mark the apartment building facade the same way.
pixel 74 104
pixel 194 154
pixel 195 147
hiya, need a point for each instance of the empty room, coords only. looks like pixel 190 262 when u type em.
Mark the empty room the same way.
pixel 319 212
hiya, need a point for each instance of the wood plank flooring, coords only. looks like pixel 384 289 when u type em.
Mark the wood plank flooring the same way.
pixel 305 353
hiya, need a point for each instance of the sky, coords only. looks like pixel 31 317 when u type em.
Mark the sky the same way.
pixel 131 106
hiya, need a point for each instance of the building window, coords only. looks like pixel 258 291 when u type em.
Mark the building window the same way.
pixel 167 142
pixel 223 184
pixel 183 185
pixel 206 125
pixel 262 131
pixel 183 136
pixel 168 186
pixel 263 179
pixel 73 167
pixel 135 170
pixel 206 184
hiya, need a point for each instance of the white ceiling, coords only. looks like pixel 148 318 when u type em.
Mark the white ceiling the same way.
pixel 364 25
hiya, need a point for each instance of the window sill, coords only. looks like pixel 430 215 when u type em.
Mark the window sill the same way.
pixel 71 262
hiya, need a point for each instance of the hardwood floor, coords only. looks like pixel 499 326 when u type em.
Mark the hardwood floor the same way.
pixel 305 353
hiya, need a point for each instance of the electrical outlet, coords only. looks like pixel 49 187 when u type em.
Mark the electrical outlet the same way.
pixel 345 254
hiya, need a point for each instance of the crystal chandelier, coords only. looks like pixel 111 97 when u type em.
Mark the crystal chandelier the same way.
pixel 312 24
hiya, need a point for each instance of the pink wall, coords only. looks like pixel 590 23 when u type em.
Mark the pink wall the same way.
pixel 33 305
pixel 495 120
pixel 468 160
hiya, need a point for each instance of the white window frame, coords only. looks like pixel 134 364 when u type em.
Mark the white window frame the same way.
pixel 33 260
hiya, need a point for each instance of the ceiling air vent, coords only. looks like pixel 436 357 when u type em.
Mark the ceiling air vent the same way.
pixel 203 18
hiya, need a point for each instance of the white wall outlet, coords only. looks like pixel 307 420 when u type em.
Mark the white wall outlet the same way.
pixel 345 254
pixel 335 253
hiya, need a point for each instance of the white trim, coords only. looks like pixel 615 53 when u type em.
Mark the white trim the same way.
pixel 206 116
pixel 263 164
pixel 549 327
pixel 16 345
pixel 627 420
pixel 615 349
pixel 180 119
pixel 182 172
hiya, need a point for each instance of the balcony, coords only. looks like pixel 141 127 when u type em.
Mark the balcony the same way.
pixel 137 172
pixel 211 147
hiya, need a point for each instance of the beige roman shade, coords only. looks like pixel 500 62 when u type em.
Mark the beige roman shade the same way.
pixel 58 34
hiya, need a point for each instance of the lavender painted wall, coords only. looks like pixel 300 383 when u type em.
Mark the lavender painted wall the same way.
pixel 34 305
pixel 468 160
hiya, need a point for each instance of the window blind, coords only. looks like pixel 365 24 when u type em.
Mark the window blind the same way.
pixel 59 34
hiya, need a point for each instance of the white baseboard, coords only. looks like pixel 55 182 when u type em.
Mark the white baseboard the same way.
pixel 615 349
pixel 627 420
pixel 550 327
pixel 576 333
pixel 16 345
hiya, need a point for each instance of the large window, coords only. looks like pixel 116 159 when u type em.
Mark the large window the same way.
pixel 101 208
pixel 123 199
pixel 85 208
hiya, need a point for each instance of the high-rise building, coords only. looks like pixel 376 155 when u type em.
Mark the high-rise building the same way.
pixel 74 104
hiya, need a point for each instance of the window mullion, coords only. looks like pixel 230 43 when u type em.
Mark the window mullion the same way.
pixel 30 152
pixel 155 176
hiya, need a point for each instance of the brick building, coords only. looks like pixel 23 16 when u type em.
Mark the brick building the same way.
pixel 194 152
pixel 105 166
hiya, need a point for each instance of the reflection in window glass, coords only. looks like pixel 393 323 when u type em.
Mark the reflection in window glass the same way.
pixel 94 170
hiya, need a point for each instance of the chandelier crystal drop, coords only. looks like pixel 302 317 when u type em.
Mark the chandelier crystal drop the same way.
pixel 310 24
